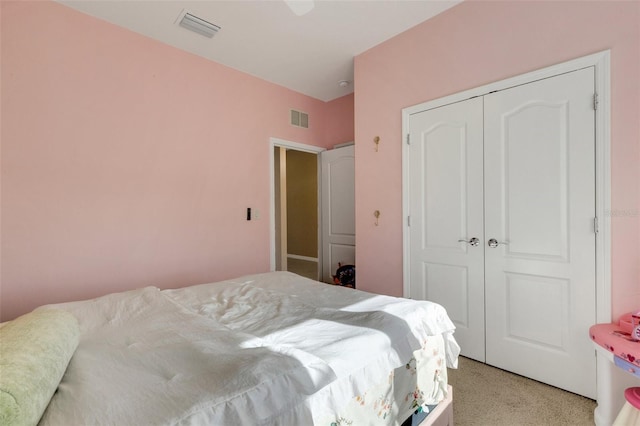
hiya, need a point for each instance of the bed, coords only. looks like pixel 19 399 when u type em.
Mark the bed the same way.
pixel 265 349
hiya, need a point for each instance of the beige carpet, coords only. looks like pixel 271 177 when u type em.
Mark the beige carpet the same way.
pixel 487 396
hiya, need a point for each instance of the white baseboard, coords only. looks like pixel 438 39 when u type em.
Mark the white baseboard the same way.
pixel 307 258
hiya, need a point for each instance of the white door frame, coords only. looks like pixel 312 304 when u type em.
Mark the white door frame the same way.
pixel 601 62
pixel 274 142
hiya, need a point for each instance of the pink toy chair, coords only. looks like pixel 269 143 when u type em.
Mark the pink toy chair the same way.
pixel 630 413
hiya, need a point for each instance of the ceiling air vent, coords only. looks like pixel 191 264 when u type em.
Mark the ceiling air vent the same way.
pixel 198 25
pixel 299 119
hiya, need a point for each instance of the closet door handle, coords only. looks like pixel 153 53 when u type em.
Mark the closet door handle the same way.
pixel 493 243
pixel 474 242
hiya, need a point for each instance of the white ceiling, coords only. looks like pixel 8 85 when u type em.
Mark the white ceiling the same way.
pixel 309 54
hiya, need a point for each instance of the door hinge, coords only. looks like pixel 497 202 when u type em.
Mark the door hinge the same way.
pixel 408 139
pixel 595 101
pixel 595 225
pixel 408 220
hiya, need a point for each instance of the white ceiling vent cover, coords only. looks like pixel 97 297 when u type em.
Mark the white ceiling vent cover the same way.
pixel 198 25
pixel 299 119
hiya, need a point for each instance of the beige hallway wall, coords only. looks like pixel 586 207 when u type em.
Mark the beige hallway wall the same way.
pixel 302 203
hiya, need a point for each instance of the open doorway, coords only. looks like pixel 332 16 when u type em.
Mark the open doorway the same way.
pixel 312 245
pixel 295 208
pixel 296 183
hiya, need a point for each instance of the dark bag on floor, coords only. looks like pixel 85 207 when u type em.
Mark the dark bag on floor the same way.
pixel 345 276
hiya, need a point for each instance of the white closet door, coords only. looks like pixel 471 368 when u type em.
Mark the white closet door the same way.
pixel 446 205
pixel 540 206
pixel 338 210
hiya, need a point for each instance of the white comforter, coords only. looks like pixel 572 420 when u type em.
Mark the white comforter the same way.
pixel 271 348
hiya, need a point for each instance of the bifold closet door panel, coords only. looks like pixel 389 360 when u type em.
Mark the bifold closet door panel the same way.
pixel 446 216
pixel 539 209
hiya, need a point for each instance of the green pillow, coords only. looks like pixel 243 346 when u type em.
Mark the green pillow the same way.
pixel 35 350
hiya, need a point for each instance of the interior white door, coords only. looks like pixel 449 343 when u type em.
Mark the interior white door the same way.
pixel 338 210
pixel 446 216
pixel 540 208
pixel 515 169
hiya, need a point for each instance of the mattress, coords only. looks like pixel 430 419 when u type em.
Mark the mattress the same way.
pixel 264 349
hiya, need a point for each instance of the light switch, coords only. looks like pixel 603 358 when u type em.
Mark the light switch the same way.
pixel 253 214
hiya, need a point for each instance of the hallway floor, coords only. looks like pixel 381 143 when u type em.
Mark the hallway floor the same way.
pixel 305 268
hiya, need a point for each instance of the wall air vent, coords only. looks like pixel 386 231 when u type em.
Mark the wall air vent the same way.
pixel 198 25
pixel 299 119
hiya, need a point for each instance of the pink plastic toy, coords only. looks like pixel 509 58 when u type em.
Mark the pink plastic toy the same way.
pixel 635 324
pixel 630 413
pixel 632 395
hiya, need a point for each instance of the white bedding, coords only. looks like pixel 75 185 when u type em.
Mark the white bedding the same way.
pixel 271 348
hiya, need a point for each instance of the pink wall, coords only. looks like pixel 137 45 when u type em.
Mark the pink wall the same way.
pixel 470 45
pixel 126 162
pixel 339 120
